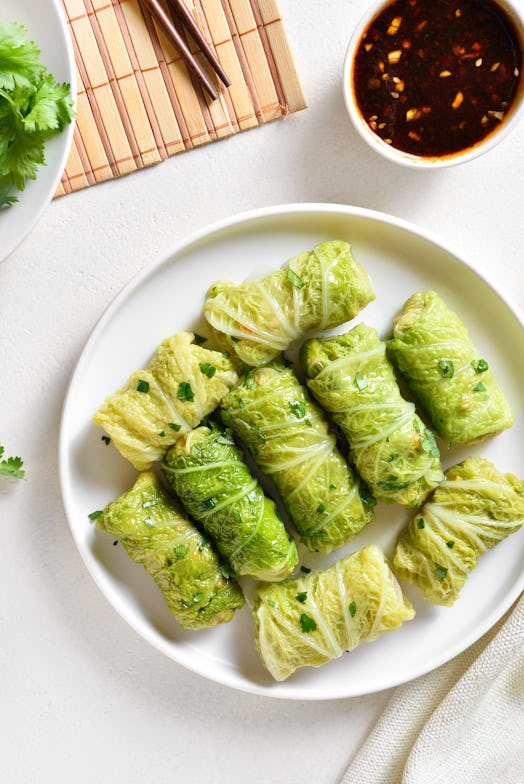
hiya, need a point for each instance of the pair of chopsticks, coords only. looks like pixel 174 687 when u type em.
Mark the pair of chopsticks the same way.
pixel 183 15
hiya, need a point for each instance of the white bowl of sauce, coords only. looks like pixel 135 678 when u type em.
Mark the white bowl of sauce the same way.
pixel 430 84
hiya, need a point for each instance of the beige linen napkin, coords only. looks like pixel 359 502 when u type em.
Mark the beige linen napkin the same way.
pixel 463 723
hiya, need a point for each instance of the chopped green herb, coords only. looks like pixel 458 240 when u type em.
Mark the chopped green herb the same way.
pixel 95 515
pixel 174 426
pixel 352 609
pixel 446 368
pixel 450 544
pixel 180 551
pixel 226 354
pixel 321 508
pixel 294 279
pixel 185 392
pixel 360 380
pixel 440 572
pixel 169 561
pixel 420 522
pixel 224 571
pixel 106 440
pixel 235 339
pixel 207 369
pixel 479 365
pixel 307 624
pixel 428 443
pixel 392 484
pixel 162 434
pixel 142 386
pixel 199 339
pixel 332 486
pixel 308 422
pixel 305 569
pixel 11 466
pixel 479 387
pixel 209 503
pixel 298 408
pixel 301 597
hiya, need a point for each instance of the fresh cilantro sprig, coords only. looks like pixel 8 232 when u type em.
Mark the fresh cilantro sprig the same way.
pixel 33 107
pixel 11 466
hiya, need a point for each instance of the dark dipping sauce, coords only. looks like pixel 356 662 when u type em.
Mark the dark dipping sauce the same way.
pixel 435 77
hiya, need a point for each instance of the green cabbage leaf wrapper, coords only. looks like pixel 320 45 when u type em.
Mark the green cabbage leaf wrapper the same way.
pixel 392 449
pixel 314 619
pixel 317 290
pixel 470 512
pixel 445 373
pixel 210 476
pixel 288 437
pixel 182 384
pixel 155 532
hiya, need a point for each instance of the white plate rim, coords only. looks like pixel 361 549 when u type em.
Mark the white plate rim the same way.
pixel 61 142
pixel 206 232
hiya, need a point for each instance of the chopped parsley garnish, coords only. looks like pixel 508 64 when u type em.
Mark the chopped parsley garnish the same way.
pixel 479 365
pixel 209 503
pixel 305 569
pixel 199 339
pixel 420 522
pixel 185 392
pixel 180 550
pixel 298 408
pixel 479 387
pixel 235 339
pixel 95 515
pixel 321 508
pixel 162 434
pixel 428 443
pixel 446 368
pixel 367 497
pixel 307 624
pixel 332 486
pixel 142 386
pixel 450 544
pixel 352 609
pixel 11 466
pixel 360 380
pixel 393 484
pixel 301 597
pixel 440 572
pixel 207 369
pixel 106 440
pixel 294 279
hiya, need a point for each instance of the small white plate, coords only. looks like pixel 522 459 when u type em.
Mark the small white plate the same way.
pixel 47 26
pixel 168 296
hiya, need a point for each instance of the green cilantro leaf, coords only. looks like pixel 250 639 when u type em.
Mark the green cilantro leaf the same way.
pixel 11 466
pixel 307 624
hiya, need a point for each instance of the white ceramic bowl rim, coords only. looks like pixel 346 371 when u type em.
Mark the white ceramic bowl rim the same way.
pixel 515 13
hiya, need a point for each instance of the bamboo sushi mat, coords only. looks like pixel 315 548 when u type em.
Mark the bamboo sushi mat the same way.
pixel 136 103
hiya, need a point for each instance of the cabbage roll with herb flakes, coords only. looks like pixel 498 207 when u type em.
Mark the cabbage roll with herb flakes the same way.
pixel 317 290
pixel 445 373
pixel 210 476
pixel 316 618
pixel 389 444
pixel 471 511
pixel 288 437
pixel 183 383
pixel 155 532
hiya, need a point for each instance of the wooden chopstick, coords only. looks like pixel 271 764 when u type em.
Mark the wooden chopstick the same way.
pixel 182 11
pixel 156 10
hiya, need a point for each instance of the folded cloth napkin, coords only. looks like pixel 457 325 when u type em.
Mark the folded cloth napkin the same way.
pixel 463 723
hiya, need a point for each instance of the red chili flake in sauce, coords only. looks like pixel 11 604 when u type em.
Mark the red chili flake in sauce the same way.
pixel 434 78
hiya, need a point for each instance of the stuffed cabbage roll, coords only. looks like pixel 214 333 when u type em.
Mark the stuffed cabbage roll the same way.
pixel 470 512
pixel 445 373
pixel 209 475
pixel 183 383
pixel 389 444
pixel 312 620
pixel 155 532
pixel 288 437
pixel 317 290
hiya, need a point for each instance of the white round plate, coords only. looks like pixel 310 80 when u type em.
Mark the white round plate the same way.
pixel 168 296
pixel 47 26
